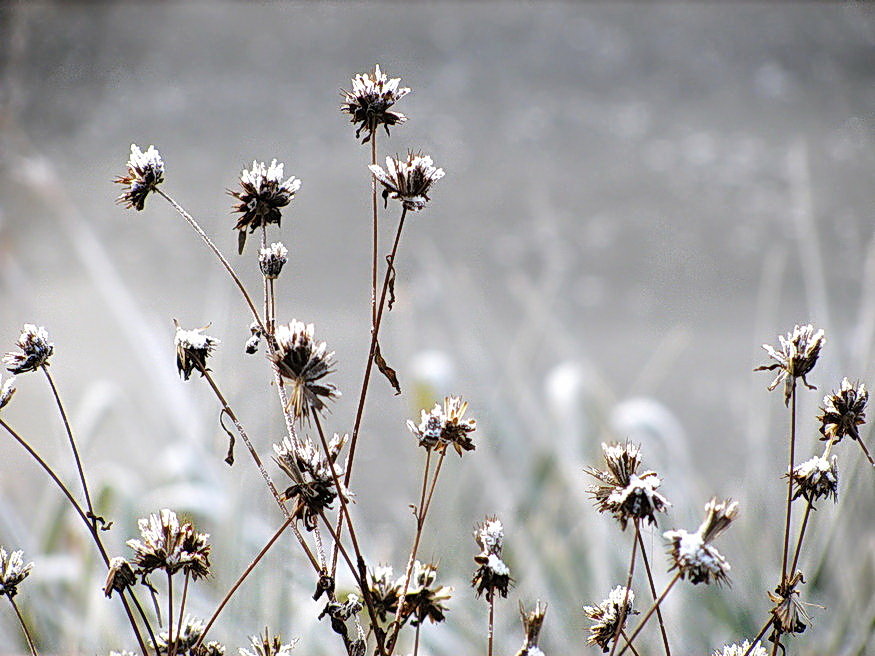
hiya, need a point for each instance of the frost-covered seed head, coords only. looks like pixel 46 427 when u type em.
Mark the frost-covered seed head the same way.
pixel 262 197
pixel 425 599
pixel 532 622
pixel 795 358
pixel 36 349
pixel 192 349
pixel 843 411
pixel 445 426
pixel 817 478
pixel 272 259
pixel 744 649
pixel 305 362
pixel 190 632
pixel 408 181
pixel 13 570
pixel 385 591
pixel 145 173
pixel 167 545
pixel 788 614
pixel 7 390
pixel 369 101
pixel 268 645
pixel 119 577
pixel 606 616
pixel 693 555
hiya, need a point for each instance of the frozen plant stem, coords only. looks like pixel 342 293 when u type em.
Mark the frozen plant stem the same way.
pixel 69 430
pixel 650 612
pixel 491 629
pixel 171 643
pixel 789 482
pixel 622 617
pixel 759 636
pixel 653 592
pixel 181 609
pixel 23 626
pixel 376 232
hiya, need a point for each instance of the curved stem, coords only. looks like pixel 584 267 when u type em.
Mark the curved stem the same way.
pixel 653 593
pixel 23 626
pixel 650 612
pixel 622 619
pixel 72 440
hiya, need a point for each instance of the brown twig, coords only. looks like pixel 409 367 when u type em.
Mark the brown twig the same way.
pixel 23 626
pixel 622 619
pixel 653 593
pixel 650 612
pixel 789 483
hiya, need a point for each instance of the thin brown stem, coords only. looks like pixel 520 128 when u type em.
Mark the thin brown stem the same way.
pixel 650 613
pixel 625 637
pixel 374 263
pixel 491 628
pixel 798 549
pixel 622 618
pixel 72 440
pixel 246 572
pixel 171 643
pixel 196 227
pixel 776 644
pixel 182 607
pixel 23 626
pixel 866 451
pixel 142 613
pixel 789 483
pixel 652 585
pixel 416 641
pixel 759 636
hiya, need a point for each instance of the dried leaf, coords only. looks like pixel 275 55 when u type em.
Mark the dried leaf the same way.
pixel 231 438
pixel 391 283
pixel 387 371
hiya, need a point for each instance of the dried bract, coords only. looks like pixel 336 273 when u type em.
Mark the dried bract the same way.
pixel 192 350
pixel 272 259
pixel 693 555
pixel 622 492
pixel 7 391
pixel 493 575
pixel 445 425
pixel 384 591
pixel 267 645
pixel 796 358
pixel 817 478
pixel 167 545
pixel 145 173
pixel 843 411
pixel 425 599
pixel 606 617
pixel 369 101
pixel 744 649
pixel 13 570
pixel 314 490
pixel 532 622
pixel 190 633
pixel 119 577
pixel 304 361
pixel 36 349
pixel 408 181
pixel 263 195
pixel 788 614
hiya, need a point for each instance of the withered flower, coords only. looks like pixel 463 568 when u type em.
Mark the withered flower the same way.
pixel 7 391
pixel 796 358
pixel 264 194
pixel 304 361
pixel 119 577
pixel 693 555
pixel 788 614
pixel 167 545
pixel 608 615
pixel 145 173
pixel 272 259
pixel 445 425
pixel 339 614
pixel 314 490
pixel 817 478
pixel 622 492
pixel 744 649
pixel 843 411
pixel 493 575
pixel 192 350
pixel 255 338
pixel 36 349
pixel 13 570
pixel 408 181
pixel 190 633
pixel 384 591
pixel 268 645
pixel 369 101
pixel 532 622
pixel 425 599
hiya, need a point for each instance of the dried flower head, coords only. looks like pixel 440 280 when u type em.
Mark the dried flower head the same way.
pixel 119 577
pixel 608 615
pixel 493 575
pixel 145 173
pixel 532 622
pixel 167 545
pixel 314 490
pixel 369 101
pixel 192 350
pixel 124 652
pixel 796 358
pixel 36 349
pixel 13 570
pixel 268 646
pixel 445 425
pixel 408 181
pixel 384 590
pixel 7 390
pixel 693 555
pixel 272 259
pixel 425 599
pixel 190 633
pixel 254 339
pixel 817 478
pixel 264 194
pixel 622 492
pixel 788 614
pixel 744 649
pixel 304 361
pixel 843 411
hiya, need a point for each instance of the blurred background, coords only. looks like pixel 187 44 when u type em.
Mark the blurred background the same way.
pixel 636 198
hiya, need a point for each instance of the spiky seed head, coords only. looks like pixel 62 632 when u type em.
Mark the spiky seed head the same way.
pixel 272 259
pixel 145 173
pixel 693 555
pixel 268 645
pixel 408 181
pixel 119 577
pixel 192 349
pixel 743 649
pixel 385 591
pixel 263 194
pixel 369 101
pixel 532 622
pixel 7 390
pixel 36 349
pixel 817 478
pixel 304 361
pixel 607 615
pixel 843 411
pixel 795 358
pixel 445 425
pixel 788 614
pixel 189 634
pixel 168 545
pixel 425 599
pixel 13 570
